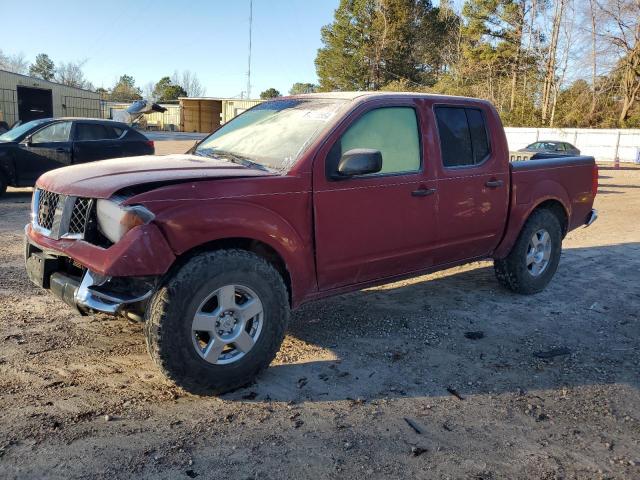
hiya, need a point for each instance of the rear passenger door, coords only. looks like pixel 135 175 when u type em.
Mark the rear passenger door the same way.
pixel 96 141
pixel 378 225
pixel 473 181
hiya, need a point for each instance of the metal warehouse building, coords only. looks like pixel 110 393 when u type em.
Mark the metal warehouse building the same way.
pixel 28 98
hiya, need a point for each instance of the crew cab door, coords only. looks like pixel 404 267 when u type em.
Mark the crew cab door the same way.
pixel 376 225
pixel 473 181
pixel 46 149
pixel 95 141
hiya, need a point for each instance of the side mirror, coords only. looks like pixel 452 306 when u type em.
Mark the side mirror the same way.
pixel 28 141
pixel 359 161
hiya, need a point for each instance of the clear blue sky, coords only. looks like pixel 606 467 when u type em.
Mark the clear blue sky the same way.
pixel 149 39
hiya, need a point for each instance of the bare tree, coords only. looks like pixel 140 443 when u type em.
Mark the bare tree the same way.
pixel 518 26
pixel 13 63
pixel 190 82
pixel 594 57
pixel 71 74
pixel 148 91
pixel 622 34
pixel 550 70
pixel 566 45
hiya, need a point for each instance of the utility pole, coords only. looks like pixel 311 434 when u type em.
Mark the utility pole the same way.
pixel 249 62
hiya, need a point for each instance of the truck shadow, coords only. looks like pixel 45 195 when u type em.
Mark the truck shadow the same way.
pixel 408 339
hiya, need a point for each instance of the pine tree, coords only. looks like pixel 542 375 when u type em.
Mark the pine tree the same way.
pixel 373 43
pixel 342 63
pixel 43 67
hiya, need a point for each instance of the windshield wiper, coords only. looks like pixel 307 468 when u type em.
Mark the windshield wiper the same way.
pixel 233 157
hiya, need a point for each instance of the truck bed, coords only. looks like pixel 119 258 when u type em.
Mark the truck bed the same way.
pixel 569 182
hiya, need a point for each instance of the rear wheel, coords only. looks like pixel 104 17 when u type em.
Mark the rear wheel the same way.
pixel 218 321
pixel 534 258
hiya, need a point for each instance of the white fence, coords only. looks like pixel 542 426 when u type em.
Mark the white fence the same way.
pixel 604 145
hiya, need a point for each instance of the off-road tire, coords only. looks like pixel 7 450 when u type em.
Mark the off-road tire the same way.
pixel 512 271
pixel 171 309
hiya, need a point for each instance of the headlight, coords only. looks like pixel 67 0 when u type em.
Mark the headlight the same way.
pixel 115 220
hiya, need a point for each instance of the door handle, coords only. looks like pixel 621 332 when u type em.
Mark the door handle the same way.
pixel 494 183
pixel 61 150
pixel 423 192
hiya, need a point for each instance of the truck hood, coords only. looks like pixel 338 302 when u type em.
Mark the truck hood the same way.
pixel 104 178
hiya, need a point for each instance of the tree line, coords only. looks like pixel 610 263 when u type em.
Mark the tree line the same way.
pixel 296 89
pixel 562 63
pixel 168 88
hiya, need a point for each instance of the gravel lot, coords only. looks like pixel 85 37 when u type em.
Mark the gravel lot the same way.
pixel 381 383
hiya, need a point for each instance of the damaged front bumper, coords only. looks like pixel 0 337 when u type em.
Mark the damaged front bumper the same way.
pixel 86 290
pixel 592 217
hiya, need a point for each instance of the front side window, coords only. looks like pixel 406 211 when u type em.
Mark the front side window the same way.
pixel 463 136
pixel 273 134
pixel 391 130
pixel 56 132
pixel 16 132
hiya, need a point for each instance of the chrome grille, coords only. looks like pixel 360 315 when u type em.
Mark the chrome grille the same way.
pixel 47 205
pixel 80 216
pixel 61 216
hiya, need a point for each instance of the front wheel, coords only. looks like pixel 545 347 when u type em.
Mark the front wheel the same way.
pixel 534 258
pixel 218 321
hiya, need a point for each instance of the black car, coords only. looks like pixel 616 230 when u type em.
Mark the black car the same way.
pixel 551 146
pixel 30 149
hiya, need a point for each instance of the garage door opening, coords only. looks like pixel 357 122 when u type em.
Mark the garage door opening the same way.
pixel 34 103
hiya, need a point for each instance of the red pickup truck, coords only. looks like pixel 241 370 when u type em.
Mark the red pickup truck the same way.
pixel 297 199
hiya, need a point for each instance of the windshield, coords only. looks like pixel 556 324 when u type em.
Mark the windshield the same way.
pixel 15 133
pixel 272 134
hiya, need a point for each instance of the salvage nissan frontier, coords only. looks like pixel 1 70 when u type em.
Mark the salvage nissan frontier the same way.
pixel 297 199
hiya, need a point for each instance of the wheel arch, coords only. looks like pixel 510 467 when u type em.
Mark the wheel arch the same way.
pixel 521 213
pixel 259 248
pixel 191 227
pixel 556 207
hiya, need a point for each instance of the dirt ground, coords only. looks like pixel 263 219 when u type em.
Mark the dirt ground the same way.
pixel 381 383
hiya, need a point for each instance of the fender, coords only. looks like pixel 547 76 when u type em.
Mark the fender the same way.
pixel 522 206
pixel 191 224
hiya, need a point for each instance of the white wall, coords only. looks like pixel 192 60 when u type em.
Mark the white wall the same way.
pixel 599 143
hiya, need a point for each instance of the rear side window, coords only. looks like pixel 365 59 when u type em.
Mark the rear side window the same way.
pixel 463 136
pixel 391 130
pixel 95 131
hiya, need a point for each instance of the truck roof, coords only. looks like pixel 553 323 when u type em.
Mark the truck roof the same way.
pixel 378 94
